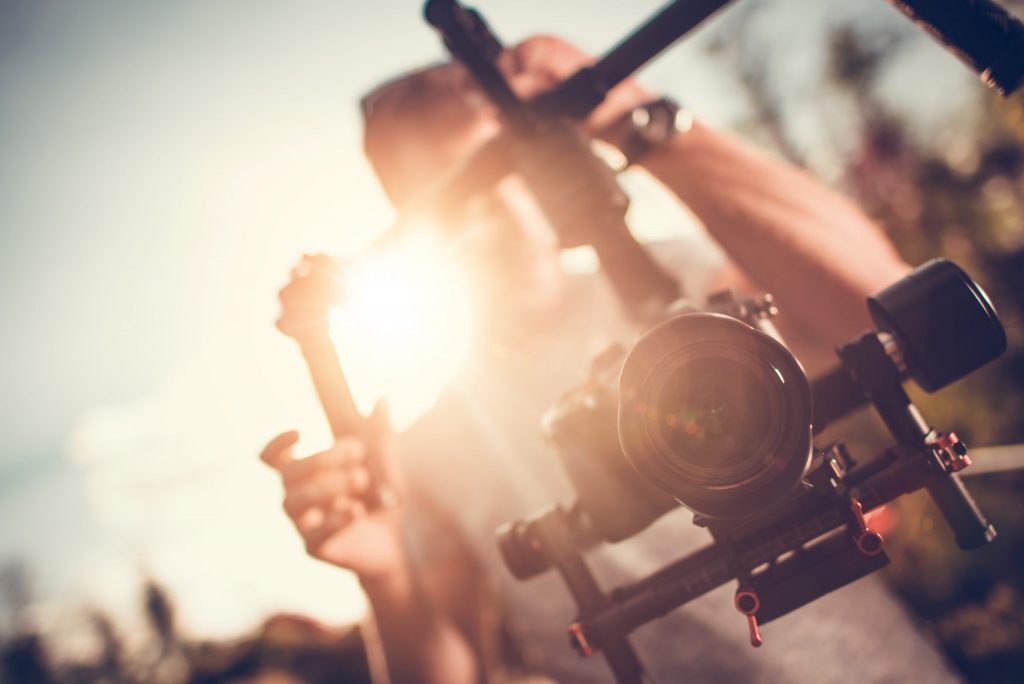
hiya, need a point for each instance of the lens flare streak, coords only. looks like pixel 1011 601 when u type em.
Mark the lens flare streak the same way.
pixel 403 326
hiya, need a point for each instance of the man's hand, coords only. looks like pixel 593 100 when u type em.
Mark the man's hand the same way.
pixel 325 497
pixel 540 63
pixel 314 287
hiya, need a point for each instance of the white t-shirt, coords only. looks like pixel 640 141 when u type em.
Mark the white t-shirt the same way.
pixel 480 452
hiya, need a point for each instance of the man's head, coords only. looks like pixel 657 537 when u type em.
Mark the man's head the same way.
pixel 420 126
pixel 419 129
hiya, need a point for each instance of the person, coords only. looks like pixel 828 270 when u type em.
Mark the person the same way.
pixel 478 455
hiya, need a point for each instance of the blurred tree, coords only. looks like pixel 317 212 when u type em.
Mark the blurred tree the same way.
pixel 958 195
pixel 286 648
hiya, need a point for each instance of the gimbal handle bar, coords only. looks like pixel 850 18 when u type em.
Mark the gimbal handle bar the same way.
pixel 471 42
pixel 576 191
pixel 980 32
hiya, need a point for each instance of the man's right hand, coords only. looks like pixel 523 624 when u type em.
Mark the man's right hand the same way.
pixel 325 499
pixel 314 287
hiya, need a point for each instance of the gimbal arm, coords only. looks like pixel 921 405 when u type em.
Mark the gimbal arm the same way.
pixel 577 192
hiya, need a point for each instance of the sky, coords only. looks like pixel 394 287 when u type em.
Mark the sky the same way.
pixel 162 167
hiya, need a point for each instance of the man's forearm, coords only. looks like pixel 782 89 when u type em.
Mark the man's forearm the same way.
pixel 812 248
pixel 421 645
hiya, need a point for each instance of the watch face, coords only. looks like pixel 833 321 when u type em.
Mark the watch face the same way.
pixel 662 120
pixel 651 126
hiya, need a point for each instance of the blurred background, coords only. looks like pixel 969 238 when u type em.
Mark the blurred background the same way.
pixel 164 165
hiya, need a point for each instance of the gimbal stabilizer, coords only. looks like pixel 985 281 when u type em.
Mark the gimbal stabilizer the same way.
pixel 788 549
pixel 815 537
pixel 801 531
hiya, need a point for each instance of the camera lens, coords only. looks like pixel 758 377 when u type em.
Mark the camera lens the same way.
pixel 716 413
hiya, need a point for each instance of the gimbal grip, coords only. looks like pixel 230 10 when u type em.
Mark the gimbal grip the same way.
pixel 329 381
pixel 340 408
pixel 968 523
pixel 979 32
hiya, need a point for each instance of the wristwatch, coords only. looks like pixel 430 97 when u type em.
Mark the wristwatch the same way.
pixel 649 127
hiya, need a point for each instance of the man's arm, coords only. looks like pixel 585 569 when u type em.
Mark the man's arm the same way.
pixel 783 230
pixel 811 247
pixel 323 499
pixel 420 645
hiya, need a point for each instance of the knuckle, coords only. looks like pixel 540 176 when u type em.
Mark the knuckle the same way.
pixel 359 478
pixel 287 292
pixel 289 508
pixel 349 445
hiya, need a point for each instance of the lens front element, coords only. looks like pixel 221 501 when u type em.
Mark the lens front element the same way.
pixel 716 413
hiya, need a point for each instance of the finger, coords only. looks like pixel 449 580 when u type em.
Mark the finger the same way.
pixel 278 452
pixel 552 55
pixel 324 488
pixel 378 461
pixel 324 263
pixel 510 62
pixel 335 522
pixel 316 516
pixel 301 269
pixel 380 419
pixel 309 520
pixel 529 85
pixel 311 263
pixel 345 452
pixel 319 289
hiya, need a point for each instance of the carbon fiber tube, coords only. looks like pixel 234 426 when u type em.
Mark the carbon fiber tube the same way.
pixel 979 32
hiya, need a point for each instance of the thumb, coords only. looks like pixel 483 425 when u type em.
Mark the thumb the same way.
pixel 380 419
pixel 278 451
pixel 383 467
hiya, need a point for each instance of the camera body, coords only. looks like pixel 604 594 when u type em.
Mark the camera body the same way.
pixel 618 494
pixel 616 433
pixel 710 411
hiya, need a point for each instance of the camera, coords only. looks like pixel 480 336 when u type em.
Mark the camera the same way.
pixel 709 410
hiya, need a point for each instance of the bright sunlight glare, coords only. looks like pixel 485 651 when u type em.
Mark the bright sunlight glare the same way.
pixel 403 327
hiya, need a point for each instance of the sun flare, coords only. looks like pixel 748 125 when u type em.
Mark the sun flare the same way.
pixel 403 326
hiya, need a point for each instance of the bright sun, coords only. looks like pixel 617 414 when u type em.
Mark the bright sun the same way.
pixel 403 327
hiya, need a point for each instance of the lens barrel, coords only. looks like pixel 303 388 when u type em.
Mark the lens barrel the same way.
pixel 716 413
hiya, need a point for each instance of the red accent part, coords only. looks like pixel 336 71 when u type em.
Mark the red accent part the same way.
pixel 952 452
pixel 869 542
pixel 745 595
pixel 755 633
pixel 858 515
pixel 750 597
pixel 579 640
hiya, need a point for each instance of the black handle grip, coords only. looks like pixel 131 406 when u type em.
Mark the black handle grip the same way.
pixel 835 394
pixel 969 525
pixel 980 32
